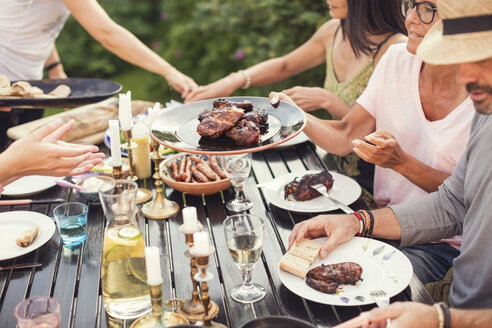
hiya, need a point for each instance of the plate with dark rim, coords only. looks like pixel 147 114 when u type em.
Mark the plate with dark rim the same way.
pixel 176 127
pixel 83 91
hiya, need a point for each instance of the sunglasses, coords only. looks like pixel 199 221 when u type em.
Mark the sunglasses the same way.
pixel 426 11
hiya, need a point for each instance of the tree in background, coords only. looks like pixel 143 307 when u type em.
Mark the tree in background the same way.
pixel 205 39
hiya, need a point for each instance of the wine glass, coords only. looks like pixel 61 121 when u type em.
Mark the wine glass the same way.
pixel 244 237
pixel 237 168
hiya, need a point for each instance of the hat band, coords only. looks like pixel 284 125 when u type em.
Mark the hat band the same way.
pixel 467 24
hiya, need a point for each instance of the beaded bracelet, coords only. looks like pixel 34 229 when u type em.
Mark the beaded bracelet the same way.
pixel 248 79
pixel 361 224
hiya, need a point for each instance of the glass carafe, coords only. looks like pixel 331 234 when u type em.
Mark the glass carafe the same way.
pixel 124 279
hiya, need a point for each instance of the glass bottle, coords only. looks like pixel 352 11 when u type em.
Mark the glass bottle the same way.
pixel 124 278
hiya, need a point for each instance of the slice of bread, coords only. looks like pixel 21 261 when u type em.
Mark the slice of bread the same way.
pixel 295 265
pixel 306 249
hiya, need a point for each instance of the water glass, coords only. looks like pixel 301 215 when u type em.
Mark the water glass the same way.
pixel 38 311
pixel 237 168
pixel 71 219
pixel 244 238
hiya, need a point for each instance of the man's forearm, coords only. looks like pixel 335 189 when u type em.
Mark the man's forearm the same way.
pixel 471 318
pixel 386 225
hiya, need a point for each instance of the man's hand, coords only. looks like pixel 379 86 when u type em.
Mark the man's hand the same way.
pixel 338 228
pixel 5 109
pixel 403 315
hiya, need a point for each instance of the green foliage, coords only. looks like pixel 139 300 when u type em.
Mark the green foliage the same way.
pixel 205 39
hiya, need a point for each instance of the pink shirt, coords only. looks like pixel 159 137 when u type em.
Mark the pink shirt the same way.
pixel 392 98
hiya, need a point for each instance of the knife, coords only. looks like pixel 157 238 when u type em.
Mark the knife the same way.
pixel 322 190
pixel 30 201
pixel 20 266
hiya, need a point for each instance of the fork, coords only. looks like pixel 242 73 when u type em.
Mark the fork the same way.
pixel 382 301
pixel 322 190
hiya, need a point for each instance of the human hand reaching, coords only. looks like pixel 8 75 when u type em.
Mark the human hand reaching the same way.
pixel 180 82
pixel 338 228
pixel 43 153
pixel 383 150
pixel 220 88
pixel 307 98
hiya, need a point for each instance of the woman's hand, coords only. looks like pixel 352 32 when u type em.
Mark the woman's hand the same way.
pixel 385 150
pixel 220 88
pixel 339 229
pixel 180 82
pixel 276 97
pixel 308 98
pixel 43 153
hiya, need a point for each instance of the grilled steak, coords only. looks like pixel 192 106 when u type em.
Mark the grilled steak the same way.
pixel 322 286
pixel 301 190
pixel 214 123
pixel 244 133
pixel 327 278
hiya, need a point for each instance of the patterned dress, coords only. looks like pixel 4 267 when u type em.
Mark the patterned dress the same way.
pixel 349 91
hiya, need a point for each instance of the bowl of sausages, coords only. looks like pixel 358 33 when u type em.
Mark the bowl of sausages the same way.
pixel 194 174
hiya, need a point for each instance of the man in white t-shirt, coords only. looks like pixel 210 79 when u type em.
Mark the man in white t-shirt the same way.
pixel 413 122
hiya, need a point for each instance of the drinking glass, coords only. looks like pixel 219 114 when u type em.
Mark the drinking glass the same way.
pixel 123 275
pixel 71 219
pixel 244 237
pixel 237 168
pixel 38 311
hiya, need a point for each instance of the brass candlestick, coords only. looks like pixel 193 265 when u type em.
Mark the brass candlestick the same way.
pixel 160 207
pixel 192 308
pixel 117 172
pixel 211 308
pixel 128 136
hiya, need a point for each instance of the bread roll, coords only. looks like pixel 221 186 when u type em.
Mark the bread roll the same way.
pixel 306 249
pixel 4 82
pixel 27 237
pixel 295 265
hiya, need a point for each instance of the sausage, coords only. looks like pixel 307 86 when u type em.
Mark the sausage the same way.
pixel 207 171
pixel 182 166
pixel 199 176
pixel 188 170
pixel 174 167
pixel 215 166
pixel 197 159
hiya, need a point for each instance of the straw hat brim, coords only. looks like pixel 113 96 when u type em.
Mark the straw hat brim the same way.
pixel 437 49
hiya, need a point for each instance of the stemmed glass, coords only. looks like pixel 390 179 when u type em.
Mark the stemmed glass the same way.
pixel 244 237
pixel 237 168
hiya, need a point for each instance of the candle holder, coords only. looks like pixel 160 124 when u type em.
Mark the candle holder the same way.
pixel 117 172
pixel 211 308
pixel 160 207
pixel 158 317
pixel 128 136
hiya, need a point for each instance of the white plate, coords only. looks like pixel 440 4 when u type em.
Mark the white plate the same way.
pixel 383 267
pixel 345 190
pixel 300 138
pixel 13 224
pixel 29 185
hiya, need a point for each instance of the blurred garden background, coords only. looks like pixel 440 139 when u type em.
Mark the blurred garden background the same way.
pixel 205 39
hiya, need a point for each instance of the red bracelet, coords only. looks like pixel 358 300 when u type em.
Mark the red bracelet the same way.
pixel 361 224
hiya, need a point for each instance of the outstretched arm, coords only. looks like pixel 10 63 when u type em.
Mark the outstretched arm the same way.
pixel 43 153
pixel 308 55
pixel 54 65
pixel 124 44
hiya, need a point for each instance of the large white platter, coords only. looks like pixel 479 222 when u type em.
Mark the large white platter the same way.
pixel 383 268
pixel 345 190
pixel 13 224
pixel 29 185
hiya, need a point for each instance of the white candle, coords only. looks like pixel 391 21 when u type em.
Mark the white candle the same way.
pixel 114 135
pixel 190 221
pixel 200 243
pixel 153 266
pixel 153 112
pixel 125 111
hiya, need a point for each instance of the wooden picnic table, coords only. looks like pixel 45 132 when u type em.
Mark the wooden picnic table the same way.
pixel 73 277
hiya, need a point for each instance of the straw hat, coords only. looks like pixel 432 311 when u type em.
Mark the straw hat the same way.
pixel 463 35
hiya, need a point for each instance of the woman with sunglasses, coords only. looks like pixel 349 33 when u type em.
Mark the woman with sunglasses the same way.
pixel 413 122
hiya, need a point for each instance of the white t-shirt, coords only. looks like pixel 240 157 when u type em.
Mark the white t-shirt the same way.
pixel 392 98
pixel 28 30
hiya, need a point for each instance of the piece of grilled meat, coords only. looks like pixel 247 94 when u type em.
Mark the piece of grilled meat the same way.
pixel 246 105
pixel 325 277
pixel 216 122
pixel 301 190
pixel 244 133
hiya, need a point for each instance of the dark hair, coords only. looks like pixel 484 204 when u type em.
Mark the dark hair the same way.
pixel 375 17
